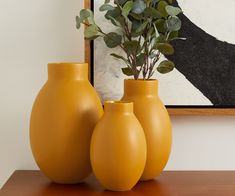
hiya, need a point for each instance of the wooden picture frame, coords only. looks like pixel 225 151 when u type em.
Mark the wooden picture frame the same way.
pixel 198 111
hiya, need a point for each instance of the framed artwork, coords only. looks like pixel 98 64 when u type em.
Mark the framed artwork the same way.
pixel 203 82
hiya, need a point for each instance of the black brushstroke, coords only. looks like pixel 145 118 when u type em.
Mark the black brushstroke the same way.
pixel 209 64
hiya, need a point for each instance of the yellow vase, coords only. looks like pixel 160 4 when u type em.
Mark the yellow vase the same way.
pixel 155 121
pixel 62 121
pixel 118 147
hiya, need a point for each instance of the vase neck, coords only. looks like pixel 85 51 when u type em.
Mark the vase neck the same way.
pixel 68 71
pixel 140 87
pixel 118 107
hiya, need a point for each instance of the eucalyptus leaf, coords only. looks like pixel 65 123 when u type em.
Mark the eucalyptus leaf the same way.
pixel 132 47
pixel 114 22
pixel 127 71
pixel 173 35
pixel 112 40
pixel 106 7
pixel 93 37
pixel 140 59
pixel 91 31
pixel 127 8
pixel 78 22
pixel 165 67
pixel 173 23
pixel 84 14
pixel 160 25
pixel 151 12
pixel 135 16
pixel 161 39
pixel 142 27
pixel 162 8
pixel 173 11
pixel 135 25
pixel 139 6
pixel 165 48
pixel 113 13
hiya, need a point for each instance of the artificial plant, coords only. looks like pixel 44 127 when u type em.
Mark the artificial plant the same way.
pixel 147 28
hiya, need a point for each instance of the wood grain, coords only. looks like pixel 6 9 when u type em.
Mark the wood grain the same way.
pixel 172 111
pixel 203 183
pixel 201 112
pixel 87 4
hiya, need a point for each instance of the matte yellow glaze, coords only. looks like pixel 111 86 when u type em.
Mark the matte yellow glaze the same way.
pixel 118 147
pixel 62 121
pixel 155 121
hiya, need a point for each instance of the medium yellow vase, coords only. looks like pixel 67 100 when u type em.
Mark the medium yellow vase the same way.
pixel 118 147
pixel 155 121
pixel 62 121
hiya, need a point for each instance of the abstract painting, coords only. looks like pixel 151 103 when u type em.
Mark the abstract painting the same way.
pixel 205 62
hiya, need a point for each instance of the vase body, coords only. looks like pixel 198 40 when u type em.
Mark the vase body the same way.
pixel 155 121
pixel 63 117
pixel 118 147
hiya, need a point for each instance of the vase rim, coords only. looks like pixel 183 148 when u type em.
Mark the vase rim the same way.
pixel 142 80
pixel 119 106
pixel 67 63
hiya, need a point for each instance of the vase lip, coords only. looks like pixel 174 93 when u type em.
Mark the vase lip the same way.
pixel 118 106
pixel 141 80
pixel 66 63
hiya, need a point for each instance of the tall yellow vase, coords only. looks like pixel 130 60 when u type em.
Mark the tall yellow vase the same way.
pixel 118 147
pixel 62 121
pixel 155 121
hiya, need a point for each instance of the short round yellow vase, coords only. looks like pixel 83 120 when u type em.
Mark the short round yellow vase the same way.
pixel 118 147
pixel 63 117
pixel 155 121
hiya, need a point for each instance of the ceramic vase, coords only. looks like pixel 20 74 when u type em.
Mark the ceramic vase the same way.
pixel 155 121
pixel 118 147
pixel 63 117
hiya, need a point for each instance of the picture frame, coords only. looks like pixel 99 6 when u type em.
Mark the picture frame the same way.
pixel 173 110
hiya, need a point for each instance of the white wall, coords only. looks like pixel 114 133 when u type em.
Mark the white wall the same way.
pixel 33 33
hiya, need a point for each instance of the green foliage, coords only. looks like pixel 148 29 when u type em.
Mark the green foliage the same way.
pixel 165 67
pixel 173 24
pixel 91 31
pixel 112 40
pixel 165 48
pixel 127 71
pixel 127 8
pixel 146 29
pixel 139 6
pixel 172 11
pixel 106 7
pixel 162 8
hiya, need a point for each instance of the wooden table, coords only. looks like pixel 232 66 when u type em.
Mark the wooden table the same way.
pixel 34 183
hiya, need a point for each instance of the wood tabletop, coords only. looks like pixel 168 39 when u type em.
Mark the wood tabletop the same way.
pixel 212 183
